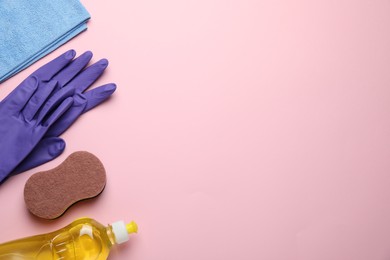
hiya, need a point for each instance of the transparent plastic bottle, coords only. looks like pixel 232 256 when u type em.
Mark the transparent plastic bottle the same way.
pixel 83 239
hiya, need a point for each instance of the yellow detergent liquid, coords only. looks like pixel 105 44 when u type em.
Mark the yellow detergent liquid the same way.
pixel 83 239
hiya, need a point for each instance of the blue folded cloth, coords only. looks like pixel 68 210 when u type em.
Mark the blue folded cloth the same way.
pixel 30 29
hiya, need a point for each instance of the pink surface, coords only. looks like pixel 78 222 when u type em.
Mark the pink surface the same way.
pixel 240 130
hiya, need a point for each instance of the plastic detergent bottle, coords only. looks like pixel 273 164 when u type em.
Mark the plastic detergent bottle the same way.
pixel 83 239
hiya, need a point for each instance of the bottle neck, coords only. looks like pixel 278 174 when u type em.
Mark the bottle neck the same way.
pixel 110 235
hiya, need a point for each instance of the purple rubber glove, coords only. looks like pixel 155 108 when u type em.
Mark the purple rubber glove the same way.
pixel 28 112
pixel 73 81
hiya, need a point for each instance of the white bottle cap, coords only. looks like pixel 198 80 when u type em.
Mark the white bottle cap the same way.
pixel 120 232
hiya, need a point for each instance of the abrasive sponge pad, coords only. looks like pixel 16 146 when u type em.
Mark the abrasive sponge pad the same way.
pixel 48 194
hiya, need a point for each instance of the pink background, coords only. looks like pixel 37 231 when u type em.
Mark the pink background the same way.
pixel 240 130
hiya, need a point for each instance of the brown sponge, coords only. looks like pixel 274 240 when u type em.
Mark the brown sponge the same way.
pixel 49 194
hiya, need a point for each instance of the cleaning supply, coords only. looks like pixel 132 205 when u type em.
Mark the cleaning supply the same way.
pixel 27 113
pixel 73 80
pixel 36 98
pixel 83 239
pixel 49 194
pixel 25 117
pixel 29 30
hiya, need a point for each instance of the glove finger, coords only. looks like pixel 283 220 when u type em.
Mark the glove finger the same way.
pixel 47 71
pixel 67 119
pixel 46 150
pixel 65 105
pixel 87 77
pixel 54 101
pixel 19 97
pixel 38 99
pixel 81 104
pixel 98 95
pixel 70 71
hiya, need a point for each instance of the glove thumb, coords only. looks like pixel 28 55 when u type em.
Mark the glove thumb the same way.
pixel 46 150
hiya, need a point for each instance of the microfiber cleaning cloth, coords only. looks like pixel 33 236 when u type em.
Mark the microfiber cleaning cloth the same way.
pixel 30 29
